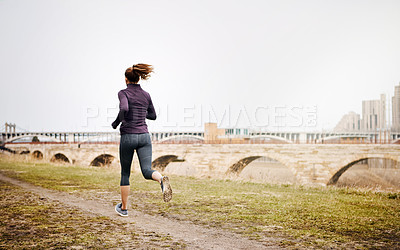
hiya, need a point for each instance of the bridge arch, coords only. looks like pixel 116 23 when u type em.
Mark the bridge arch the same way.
pixel 396 141
pixel 113 138
pixel 60 158
pixel 241 164
pixel 335 178
pixel 37 154
pixel 161 162
pixel 42 138
pixel 272 138
pixel 102 160
pixel 271 170
pixel 339 138
pixel 180 138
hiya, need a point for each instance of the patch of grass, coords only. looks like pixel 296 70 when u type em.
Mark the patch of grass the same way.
pixel 28 221
pixel 294 215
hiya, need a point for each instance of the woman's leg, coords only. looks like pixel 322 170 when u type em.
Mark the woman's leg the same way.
pixel 156 176
pixel 124 196
pixel 126 151
pixel 144 152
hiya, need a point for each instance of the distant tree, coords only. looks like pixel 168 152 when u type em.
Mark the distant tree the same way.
pixel 35 139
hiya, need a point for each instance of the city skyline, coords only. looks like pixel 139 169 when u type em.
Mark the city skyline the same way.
pixel 377 115
pixel 62 62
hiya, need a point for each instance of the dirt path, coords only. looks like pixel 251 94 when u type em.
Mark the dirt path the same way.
pixel 194 236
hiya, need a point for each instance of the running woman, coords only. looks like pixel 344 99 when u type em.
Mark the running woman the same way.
pixel 135 106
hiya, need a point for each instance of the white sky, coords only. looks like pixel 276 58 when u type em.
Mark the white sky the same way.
pixel 63 62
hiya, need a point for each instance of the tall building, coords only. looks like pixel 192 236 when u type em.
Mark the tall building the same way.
pixel 212 132
pixel 396 109
pixel 374 114
pixel 350 122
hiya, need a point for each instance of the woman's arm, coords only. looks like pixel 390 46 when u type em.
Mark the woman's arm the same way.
pixel 115 123
pixel 123 108
pixel 151 112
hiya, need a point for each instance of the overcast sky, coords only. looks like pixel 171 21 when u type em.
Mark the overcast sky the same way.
pixel 277 65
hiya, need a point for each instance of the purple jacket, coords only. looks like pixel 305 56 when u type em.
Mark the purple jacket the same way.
pixel 135 106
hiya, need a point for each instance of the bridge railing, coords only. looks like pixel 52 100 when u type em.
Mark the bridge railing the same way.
pixel 113 138
pixel 269 142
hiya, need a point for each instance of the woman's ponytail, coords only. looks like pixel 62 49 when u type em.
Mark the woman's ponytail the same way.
pixel 138 71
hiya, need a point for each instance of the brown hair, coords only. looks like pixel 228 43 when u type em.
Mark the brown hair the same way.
pixel 138 71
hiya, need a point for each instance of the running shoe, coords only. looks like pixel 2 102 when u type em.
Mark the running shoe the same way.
pixel 120 211
pixel 166 189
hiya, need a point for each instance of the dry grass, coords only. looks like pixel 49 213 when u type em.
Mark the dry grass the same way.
pixel 31 222
pixel 297 216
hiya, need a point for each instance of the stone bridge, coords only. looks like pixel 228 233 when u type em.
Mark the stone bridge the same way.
pixel 312 164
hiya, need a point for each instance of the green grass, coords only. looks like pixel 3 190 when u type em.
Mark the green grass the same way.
pixel 30 222
pixel 295 215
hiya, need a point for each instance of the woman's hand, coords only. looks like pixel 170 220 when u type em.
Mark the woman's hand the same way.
pixel 115 124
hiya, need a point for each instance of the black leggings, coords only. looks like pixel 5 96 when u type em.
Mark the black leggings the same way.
pixel 128 144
